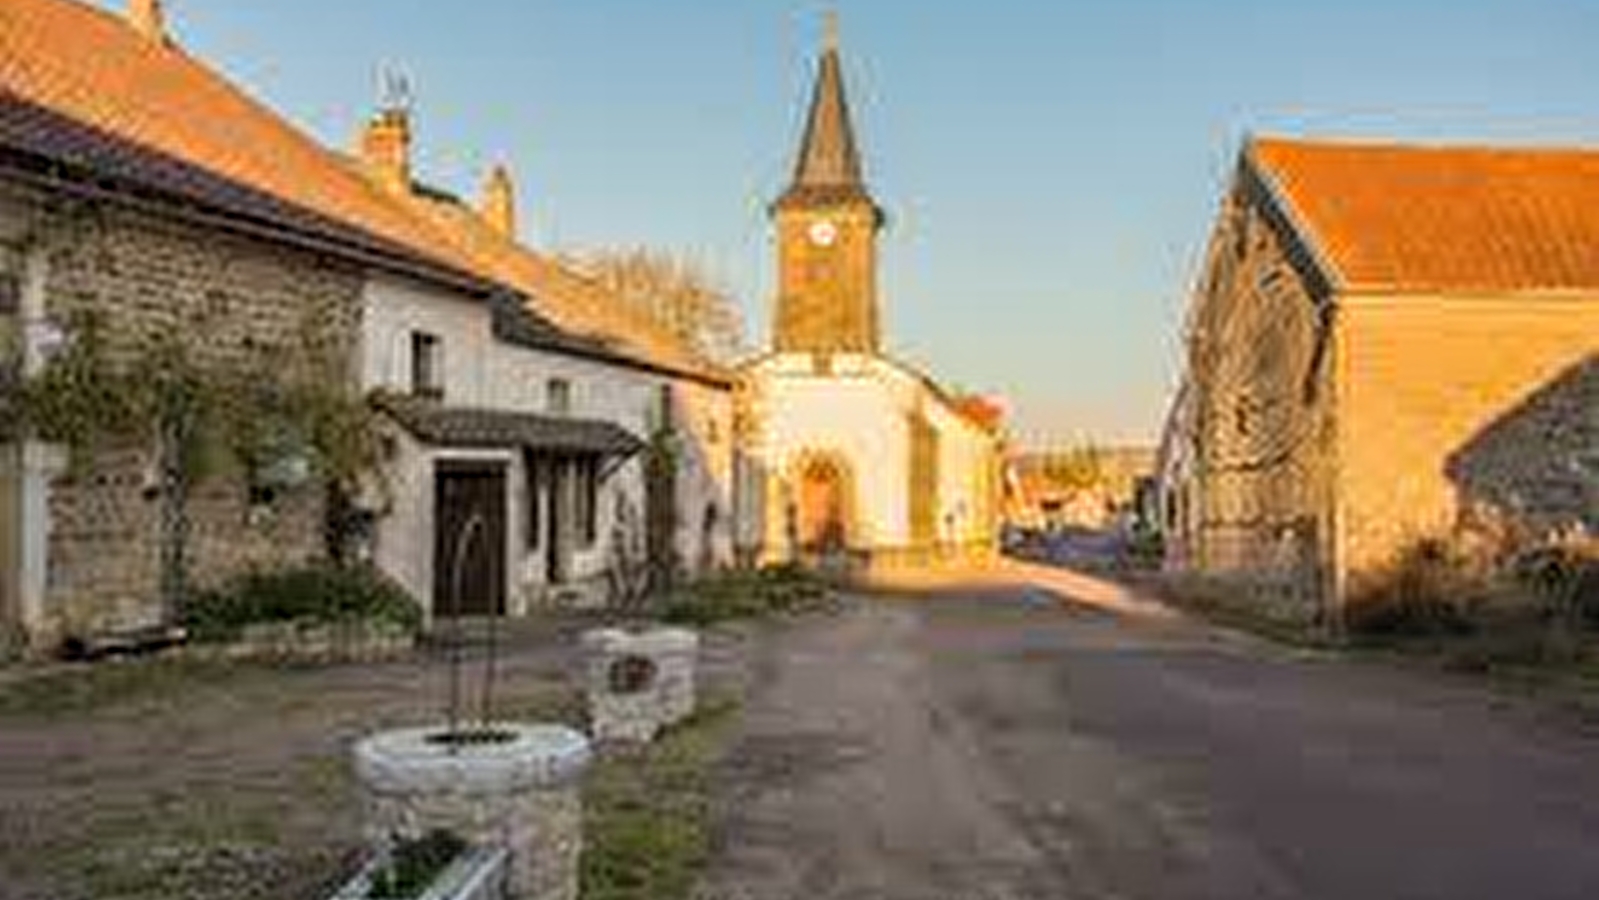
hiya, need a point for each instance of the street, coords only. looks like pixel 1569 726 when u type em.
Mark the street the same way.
pixel 995 743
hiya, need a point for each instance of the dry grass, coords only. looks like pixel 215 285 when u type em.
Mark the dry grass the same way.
pixel 164 779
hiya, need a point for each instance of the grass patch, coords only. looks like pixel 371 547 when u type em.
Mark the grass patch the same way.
pixel 648 812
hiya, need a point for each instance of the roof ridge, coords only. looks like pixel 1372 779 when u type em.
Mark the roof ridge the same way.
pixel 1418 145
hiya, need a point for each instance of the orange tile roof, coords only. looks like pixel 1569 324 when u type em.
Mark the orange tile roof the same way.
pixel 79 85
pixel 1433 218
pixel 569 299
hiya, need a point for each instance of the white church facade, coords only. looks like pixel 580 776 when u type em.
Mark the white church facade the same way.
pixel 850 450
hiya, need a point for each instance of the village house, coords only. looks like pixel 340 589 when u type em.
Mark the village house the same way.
pixel 581 517
pixel 1388 344
pixel 140 190
pixel 851 450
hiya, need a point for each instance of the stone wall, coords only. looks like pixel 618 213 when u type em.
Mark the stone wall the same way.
pixel 230 297
pixel 1260 358
pixel 1450 402
pixel 638 684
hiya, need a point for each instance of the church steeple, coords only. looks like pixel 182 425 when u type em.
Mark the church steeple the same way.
pixel 827 227
pixel 829 164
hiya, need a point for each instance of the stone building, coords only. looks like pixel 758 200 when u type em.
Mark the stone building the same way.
pixel 849 448
pixel 1387 343
pixel 140 187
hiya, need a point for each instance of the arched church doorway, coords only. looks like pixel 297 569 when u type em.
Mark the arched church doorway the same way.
pixel 824 504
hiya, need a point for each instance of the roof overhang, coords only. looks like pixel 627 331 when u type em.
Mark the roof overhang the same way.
pixel 437 425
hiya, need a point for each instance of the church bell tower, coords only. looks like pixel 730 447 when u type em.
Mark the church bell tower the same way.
pixel 827 224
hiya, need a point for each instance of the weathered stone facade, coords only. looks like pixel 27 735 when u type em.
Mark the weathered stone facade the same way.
pixel 1458 407
pixel 1261 376
pixel 1329 425
pixel 229 299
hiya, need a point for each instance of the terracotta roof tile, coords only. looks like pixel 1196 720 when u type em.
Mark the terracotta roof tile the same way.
pixel 79 85
pixel 1436 218
pixel 573 301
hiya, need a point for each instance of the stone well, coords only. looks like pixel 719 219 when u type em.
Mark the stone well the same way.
pixel 522 794
pixel 639 682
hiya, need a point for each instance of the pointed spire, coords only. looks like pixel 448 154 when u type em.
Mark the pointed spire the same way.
pixel 829 161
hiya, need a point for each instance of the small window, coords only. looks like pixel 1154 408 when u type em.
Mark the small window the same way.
pixel 558 397
pixel 586 472
pixel 427 365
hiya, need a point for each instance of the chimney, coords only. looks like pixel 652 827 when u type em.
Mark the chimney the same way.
pixel 386 149
pixel 148 19
pixel 499 202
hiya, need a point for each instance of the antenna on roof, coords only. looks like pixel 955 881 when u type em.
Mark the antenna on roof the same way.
pixel 830 29
pixel 394 90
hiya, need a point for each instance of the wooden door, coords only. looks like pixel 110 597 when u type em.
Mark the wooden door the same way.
pixel 469 564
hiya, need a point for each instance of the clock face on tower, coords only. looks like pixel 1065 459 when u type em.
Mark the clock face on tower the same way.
pixel 823 233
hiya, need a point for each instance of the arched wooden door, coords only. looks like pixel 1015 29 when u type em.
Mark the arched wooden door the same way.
pixel 824 505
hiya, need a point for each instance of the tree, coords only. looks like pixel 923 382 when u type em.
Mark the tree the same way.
pixel 1077 469
pixel 673 295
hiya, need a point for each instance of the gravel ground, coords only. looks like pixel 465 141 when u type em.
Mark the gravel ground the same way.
pixel 150 779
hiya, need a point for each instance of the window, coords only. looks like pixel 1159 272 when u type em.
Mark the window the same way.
pixel 558 397
pixel 586 474
pixel 427 365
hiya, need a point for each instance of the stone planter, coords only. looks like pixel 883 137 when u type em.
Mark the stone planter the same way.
pixel 522 794
pixel 639 682
pixel 479 874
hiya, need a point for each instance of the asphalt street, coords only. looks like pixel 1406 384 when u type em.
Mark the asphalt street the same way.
pixel 996 744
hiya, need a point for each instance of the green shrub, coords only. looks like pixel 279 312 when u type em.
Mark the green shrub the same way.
pixel 745 595
pixel 323 594
pixel 414 864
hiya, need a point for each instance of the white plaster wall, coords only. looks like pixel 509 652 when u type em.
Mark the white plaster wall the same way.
pixel 858 412
pixel 859 409
pixel 965 477
pixel 480 371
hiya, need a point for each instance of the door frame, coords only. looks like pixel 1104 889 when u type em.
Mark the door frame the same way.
pixel 496 528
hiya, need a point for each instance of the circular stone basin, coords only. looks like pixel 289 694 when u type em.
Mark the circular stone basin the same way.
pixel 411 760
pixel 510 785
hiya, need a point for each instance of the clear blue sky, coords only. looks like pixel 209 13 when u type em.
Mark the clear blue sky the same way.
pixel 1051 167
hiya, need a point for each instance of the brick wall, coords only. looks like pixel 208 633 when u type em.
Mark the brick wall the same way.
pixel 1458 400
pixel 233 297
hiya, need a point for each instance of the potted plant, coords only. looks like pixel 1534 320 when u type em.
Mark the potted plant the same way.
pixel 436 866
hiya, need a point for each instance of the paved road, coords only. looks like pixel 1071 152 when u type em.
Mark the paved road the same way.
pixel 989 746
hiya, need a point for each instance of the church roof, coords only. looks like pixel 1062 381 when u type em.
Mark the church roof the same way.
pixel 828 168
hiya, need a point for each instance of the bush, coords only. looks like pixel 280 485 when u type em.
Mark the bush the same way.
pixel 1429 590
pixel 322 594
pixel 770 590
pixel 1566 581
